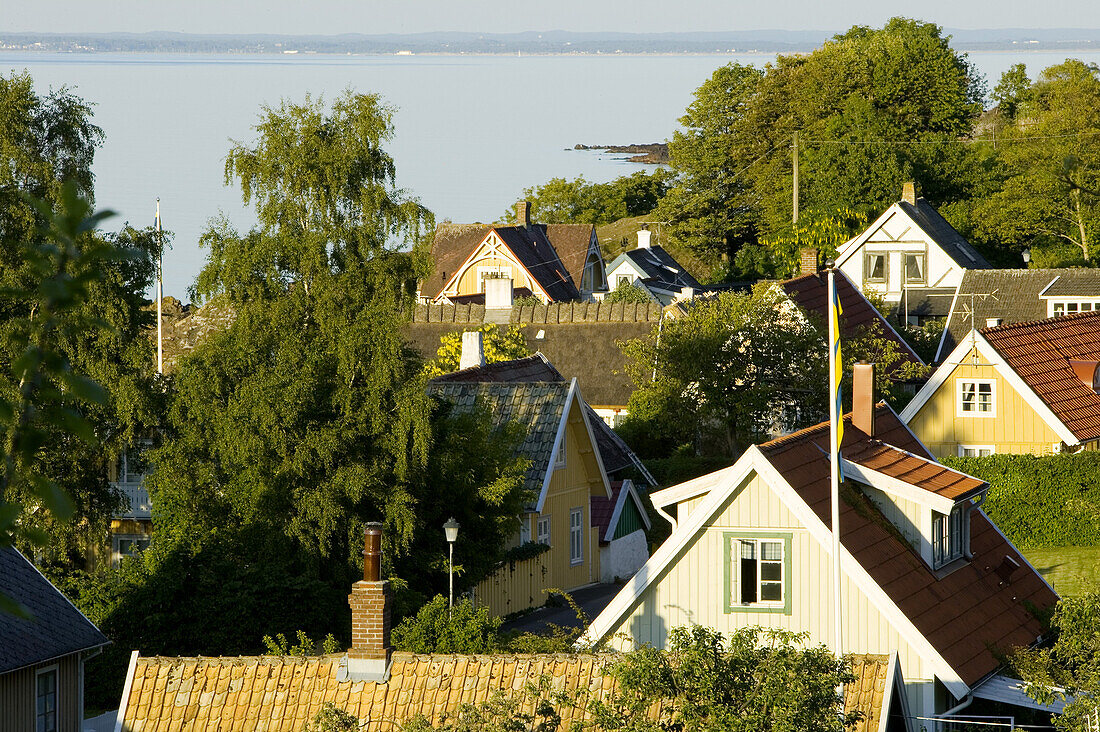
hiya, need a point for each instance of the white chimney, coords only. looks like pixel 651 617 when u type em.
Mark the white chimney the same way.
pixel 473 352
pixel 498 293
pixel 643 237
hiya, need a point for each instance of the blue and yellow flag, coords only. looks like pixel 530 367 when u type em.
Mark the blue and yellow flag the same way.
pixel 838 362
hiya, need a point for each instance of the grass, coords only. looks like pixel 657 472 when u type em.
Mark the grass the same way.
pixel 1071 570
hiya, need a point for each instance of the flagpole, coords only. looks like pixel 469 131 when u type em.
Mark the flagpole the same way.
pixel 160 293
pixel 835 433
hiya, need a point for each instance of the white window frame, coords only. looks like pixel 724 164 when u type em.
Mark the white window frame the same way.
pixel 950 535
pixel 39 727
pixel 867 278
pixel 622 280
pixel 960 386
pixel 117 554
pixel 977 449
pixel 1071 305
pixel 923 259
pixel 559 458
pixel 525 530
pixel 757 543
pixel 541 536
pixel 576 536
pixel 492 272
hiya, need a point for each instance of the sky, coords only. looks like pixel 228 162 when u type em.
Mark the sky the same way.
pixel 506 16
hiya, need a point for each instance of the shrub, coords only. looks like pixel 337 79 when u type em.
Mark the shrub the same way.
pixel 435 629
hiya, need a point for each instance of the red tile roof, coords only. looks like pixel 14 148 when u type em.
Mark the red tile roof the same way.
pixel 913 469
pixel 603 508
pixel 1039 351
pixel 970 614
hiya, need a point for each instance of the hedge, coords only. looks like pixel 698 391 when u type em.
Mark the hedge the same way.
pixel 1041 502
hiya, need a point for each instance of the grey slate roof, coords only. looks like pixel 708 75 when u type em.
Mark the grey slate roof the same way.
pixel 660 269
pixel 57 627
pixel 941 232
pixel 1013 295
pixel 537 406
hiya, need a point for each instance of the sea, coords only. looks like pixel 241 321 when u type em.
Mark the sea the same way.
pixel 470 132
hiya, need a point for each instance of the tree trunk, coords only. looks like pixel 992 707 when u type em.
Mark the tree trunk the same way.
pixel 1084 242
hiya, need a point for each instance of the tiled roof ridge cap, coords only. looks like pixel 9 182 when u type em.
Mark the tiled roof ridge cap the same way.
pixel 396 655
pixel 925 458
pixel 1048 322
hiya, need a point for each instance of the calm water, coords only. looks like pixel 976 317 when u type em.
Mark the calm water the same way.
pixel 471 132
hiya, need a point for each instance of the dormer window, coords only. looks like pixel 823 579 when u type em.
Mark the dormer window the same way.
pixel 874 267
pixel 950 535
pixel 914 269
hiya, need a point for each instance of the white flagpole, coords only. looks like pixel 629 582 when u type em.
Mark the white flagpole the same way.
pixel 834 458
pixel 160 293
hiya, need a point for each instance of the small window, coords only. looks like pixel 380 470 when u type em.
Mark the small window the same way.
pixel 542 531
pixel 976 450
pixel 874 267
pixel 623 280
pixel 525 530
pixel 976 398
pixel 914 269
pixel 45 705
pixel 576 536
pixel 760 569
pixel 949 535
pixel 127 545
pixel 559 459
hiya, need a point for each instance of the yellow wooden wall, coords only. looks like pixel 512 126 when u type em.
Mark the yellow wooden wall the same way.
pixel 469 284
pixel 571 486
pixel 692 591
pixel 1016 428
pixel 17 697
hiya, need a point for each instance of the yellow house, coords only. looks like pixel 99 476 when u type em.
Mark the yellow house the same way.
pixel 1027 388
pixel 566 472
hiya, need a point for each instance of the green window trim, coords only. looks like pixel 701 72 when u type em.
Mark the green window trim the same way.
pixel 728 539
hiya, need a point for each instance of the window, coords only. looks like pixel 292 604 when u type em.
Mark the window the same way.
pixel 623 281
pixel 976 450
pixel 1056 308
pixel 559 459
pixel 576 536
pixel 542 530
pixel 132 464
pixel 127 545
pixel 758 573
pixel 491 273
pixel 949 535
pixel 525 530
pixel 874 267
pixel 45 704
pixel 914 269
pixel 976 398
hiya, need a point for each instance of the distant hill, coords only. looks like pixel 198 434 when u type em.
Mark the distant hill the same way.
pixel 531 42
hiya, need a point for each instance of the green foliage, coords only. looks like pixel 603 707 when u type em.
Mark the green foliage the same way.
pixel 439 629
pixel 527 550
pixel 331 718
pixel 758 679
pixel 1046 501
pixel 628 292
pixel 533 710
pixel 279 646
pixel 778 256
pixel 681 468
pixel 498 344
pixel 561 201
pixel 1072 662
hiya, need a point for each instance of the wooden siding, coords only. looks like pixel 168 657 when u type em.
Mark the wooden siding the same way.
pixel 692 591
pixel 17 697
pixel 469 284
pixel 1015 428
pixel 629 520
pixel 571 487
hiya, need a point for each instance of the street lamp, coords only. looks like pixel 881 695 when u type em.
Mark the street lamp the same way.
pixel 451 530
pixel 1026 253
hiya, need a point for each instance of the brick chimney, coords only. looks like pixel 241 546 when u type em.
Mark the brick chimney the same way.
pixel 807 261
pixel 523 213
pixel 863 397
pixel 644 236
pixel 909 193
pixel 369 655
pixel 473 350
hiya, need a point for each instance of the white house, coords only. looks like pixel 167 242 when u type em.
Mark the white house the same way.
pixel 909 247
pixel 653 270
pixel 926 574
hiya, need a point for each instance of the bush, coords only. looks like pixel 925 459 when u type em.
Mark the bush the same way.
pixel 1037 502
pixel 434 629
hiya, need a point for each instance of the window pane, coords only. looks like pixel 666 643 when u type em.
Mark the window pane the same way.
pixel 771 591
pixel 748 550
pixel 748 580
pixel 1059 309
pixel 914 268
pixel 876 267
pixel 771 550
pixel 771 572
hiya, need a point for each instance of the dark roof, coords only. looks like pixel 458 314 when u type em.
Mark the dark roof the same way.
pixel 56 627
pixel 615 453
pixel 929 302
pixel 537 406
pixel 571 241
pixel 968 615
pixel 454 243
pixel 579 338
pixel 811 293
pixel 660 269
pixel 1039 352
pixel 603 508
pixel 941 232
pixel 1013 295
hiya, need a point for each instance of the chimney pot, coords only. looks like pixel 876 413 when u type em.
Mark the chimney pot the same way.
pixel 372 552
pixel 369 655
pixel 909 193
pixel 863 398
pixel 644 237
pixel 473 350
pixel 523 213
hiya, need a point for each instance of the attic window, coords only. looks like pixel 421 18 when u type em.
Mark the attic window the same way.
pixel 874 267
pixel 1088 372
pixel 949 535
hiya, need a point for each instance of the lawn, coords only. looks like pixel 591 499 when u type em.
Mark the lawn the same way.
pixel 1072 570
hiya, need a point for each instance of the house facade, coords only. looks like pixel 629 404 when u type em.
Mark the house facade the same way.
pixel 926 575
pixel 42 657
pixel 654 271
pixel 1027 388
pixel 909 248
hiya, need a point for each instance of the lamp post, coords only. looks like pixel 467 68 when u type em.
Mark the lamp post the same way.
pixel 1026 254
pixel 451 530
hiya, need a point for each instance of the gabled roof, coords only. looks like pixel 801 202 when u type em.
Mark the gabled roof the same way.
pixel 811 293
pixel 658 268
pixel 572 241
pixel 56 627
pixel 606 511
pixel 957 621
pixel 536 253
pixel 452 245
pixel 282 694
pixel 616 454
pixel 935 227
pixel 1013 295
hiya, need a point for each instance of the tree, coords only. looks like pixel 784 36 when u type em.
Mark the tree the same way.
pixel 436 628
pixel 561 201
pixel 497 345
pixel 757 680
pixel 628 292
pixel 778 256
pixel 1071 663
